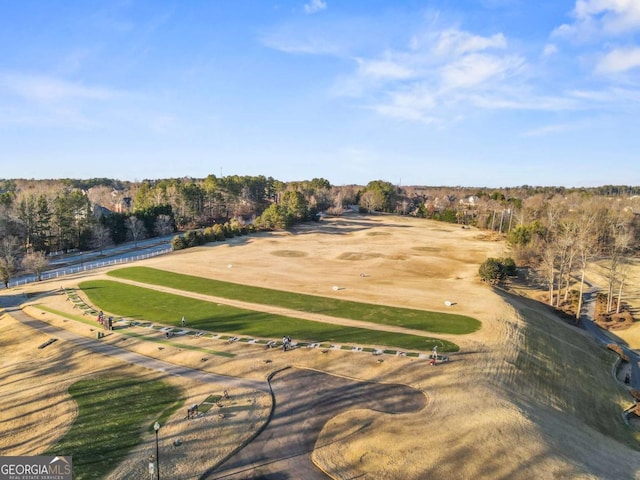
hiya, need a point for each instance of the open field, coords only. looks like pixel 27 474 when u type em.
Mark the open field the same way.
pixel 526 397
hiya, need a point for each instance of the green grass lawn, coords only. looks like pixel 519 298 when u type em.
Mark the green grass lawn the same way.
pixel 139 303
pixel 113 414
pixel 434 322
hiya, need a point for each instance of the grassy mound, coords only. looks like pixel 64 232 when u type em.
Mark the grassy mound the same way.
pixel 112 412
pixel 557 367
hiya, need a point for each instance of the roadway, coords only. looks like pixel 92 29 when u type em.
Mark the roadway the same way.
pixel 83 261
pixel 602 336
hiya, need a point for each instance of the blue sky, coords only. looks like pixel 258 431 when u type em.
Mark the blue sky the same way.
pixel 451 92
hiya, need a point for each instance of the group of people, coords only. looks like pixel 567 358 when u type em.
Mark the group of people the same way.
pixel 106 322
pixel 286 343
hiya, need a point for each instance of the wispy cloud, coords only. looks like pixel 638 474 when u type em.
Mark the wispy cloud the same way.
pixel 442 74
pixel 437 76
pixel 289 38
pixel 547 130
pixel 414 104
pixel 596 18
pixel 549 50
pixel 315 6
pixel 46 100
pixel 457 42
pixel 49 89
pixel 614 97
pixel 477 69
pixel 381 68
pixel 619 60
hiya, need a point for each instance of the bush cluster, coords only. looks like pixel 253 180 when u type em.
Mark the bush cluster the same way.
pixel 495 270
pixel 214 233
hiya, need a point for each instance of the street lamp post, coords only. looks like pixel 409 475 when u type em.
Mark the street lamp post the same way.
pixel 156 427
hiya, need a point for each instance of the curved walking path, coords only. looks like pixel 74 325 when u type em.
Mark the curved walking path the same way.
pixel 303 401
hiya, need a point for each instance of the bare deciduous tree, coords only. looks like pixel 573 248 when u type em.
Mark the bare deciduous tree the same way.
pixel 163 225
pixel 135 229
pixel 36 263
pixel 586 248
pixel 101 237
pixel 617 246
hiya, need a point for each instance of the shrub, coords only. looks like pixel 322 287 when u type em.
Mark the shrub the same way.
pixel 491 271
pixel 194 238
pixel 509 266
pixel 178 243
pixel 494 270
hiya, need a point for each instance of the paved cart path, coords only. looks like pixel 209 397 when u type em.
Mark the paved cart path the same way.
pixel 305 400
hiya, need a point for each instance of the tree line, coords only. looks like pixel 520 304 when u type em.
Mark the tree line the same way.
pixel 561 237
pixel 555 230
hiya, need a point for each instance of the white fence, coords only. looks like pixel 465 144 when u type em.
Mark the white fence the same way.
pixel 83 268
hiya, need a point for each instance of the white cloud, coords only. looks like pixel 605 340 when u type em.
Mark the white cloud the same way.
pixel 601 17
pixel 514 99
pixel 551 130
pixel 619 60
pixel 457 42
pixel 472 70
pixel 39 100
pixel 311 45
pixel 49 89
pixel 549 50
pixel 413 104
pixel 384 69
pixel 438 76
pixel 315 6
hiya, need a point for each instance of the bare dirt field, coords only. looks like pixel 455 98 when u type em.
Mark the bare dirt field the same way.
pixel 476 424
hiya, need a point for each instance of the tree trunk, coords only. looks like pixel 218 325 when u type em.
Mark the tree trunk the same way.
pixel 560 275
pixel 620 295
pixel 580 295
pixel 568 280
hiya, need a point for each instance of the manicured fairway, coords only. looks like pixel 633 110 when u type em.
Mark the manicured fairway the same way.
pixel 402 317
pixel 112 413
pixel 146 304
